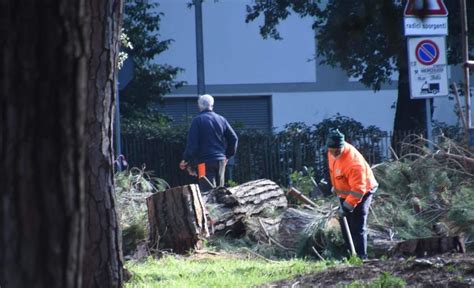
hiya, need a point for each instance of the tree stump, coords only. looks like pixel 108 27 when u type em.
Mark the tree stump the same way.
pixel 177 219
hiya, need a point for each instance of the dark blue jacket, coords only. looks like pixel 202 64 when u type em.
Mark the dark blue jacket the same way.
pixel 210 138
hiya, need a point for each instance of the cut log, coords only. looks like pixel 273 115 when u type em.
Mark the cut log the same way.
pixel 177 219
pixel 292 224
pixel 307 231
pixel 228 207
pixel 300 196
pixel 262 230
pixel 302 231
pixel 380 243
pixel 430 246
pixel 378 248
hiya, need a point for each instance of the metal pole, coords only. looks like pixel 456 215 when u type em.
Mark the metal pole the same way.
pixel 117 130
pixel 429 128
pixel 465 53
pixel 199 48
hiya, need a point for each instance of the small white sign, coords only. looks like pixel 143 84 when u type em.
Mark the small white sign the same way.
pixel 428 67
pixel 427 17
pixel 428 26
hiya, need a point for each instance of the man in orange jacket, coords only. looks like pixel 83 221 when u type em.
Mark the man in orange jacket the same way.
pixel 354 183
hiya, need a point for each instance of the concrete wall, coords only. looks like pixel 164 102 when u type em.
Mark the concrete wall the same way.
pixel 238 61
pixel 234 51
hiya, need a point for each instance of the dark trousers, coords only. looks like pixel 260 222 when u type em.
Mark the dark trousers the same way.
pixel 357 221
pixel 215 172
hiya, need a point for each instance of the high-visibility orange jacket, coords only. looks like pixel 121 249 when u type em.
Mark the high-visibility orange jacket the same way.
pixel 351 176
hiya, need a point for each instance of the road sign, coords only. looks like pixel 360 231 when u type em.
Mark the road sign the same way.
pixel 427 67
pixel 429 18
pixel 430 8
pixel 427 52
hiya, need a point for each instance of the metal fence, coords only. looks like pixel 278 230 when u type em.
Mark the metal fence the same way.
pixel 271 156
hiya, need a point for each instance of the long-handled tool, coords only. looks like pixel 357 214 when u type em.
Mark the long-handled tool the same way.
pixel 316 186
pixel 349 236
pixel 344 219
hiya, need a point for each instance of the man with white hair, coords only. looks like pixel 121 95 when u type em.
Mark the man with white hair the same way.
pixel 211 140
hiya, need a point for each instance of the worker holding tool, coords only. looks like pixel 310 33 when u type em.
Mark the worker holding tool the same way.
pixel 354 183
pixel 211 142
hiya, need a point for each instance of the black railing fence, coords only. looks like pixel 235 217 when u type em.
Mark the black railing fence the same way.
pixel 271 156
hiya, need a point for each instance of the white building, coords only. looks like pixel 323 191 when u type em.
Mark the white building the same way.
pixel 265 83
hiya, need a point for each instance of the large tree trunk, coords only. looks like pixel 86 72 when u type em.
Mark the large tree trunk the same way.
pixel 43 79
pixel 103 248
pixel 229 208
pixel 177 219
pixel 409 114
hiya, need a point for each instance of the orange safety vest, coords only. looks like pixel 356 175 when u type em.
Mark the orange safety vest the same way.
pixel 351 176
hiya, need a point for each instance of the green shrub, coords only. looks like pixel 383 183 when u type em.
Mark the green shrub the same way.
pixel 232 183
pixel 415 194
pixel 132 187
pixel 152 125
pixel 302 181
pixel 461 211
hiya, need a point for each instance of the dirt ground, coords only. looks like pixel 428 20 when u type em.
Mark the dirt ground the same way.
pixel 447 270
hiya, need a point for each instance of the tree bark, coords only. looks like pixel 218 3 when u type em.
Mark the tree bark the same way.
pixel 292 224
pixel 43 79
pixel 409 114
pixel 229 207
pixel 177 219
pixel 103 260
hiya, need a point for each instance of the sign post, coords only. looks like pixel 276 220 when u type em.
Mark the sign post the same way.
pixel 428 67
pixel 427 55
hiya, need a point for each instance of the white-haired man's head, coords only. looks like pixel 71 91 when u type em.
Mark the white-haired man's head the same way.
pixel 206 102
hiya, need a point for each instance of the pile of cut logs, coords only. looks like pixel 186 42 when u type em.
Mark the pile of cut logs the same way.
pixel 181 218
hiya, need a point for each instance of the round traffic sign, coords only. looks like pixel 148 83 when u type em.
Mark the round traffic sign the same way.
pixel 427 52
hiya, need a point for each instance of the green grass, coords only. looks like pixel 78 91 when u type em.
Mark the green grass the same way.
pixel 385 280
pixel 175 271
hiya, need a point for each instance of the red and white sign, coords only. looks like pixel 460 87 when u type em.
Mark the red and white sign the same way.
pixel 425 17
pixel 428 67
pixel 426 8
pixel 427 52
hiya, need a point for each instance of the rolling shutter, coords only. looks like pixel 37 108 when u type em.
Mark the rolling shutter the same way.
pixel 249 112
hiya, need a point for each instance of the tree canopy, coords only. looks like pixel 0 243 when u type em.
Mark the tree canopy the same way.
pixel 141 24
pixel 364 38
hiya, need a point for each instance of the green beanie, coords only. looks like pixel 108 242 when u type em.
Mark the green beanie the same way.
pixel 335 139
